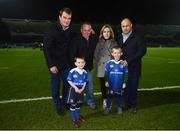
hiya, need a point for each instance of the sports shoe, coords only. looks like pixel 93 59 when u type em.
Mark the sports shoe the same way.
pixel 104 104
pixel 106 111
pixel 133 110
pixel 75 124
pixel 125 108
pixel 119 111
pixel 81 118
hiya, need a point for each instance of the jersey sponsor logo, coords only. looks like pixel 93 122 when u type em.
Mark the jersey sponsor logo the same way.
pixel 116 73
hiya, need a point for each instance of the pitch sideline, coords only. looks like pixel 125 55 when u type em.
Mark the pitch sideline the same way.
pixel 97 93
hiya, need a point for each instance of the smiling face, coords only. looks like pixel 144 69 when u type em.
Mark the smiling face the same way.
pixel 116 53
pixel 65 19
pixel 86 30
pixel 80 63
pixel 106 33
pixel 126 26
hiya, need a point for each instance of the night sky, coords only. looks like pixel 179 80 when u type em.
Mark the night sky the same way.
pixel 141 12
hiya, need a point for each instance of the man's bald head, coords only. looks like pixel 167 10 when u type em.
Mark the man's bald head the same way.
pixel 126 25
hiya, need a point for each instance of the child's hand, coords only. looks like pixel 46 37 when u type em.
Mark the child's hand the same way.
pixel 124 85
pixel 76 90
pixel 92 32
pixel 80 91
pixel 125 63
pixel 106 84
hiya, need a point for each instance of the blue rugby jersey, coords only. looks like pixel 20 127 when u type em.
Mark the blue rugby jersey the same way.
pixel 78 77
pixel 116 72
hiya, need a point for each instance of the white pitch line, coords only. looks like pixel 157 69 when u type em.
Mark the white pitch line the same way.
pixel 161 58
pixel 22 100
pixel 158 88
pixel 170 61
pixel 97 93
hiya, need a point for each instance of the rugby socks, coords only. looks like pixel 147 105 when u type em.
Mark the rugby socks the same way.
pixel 73 112
pixel 77 111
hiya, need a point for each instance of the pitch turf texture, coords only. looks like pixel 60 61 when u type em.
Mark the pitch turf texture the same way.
pixel 23 74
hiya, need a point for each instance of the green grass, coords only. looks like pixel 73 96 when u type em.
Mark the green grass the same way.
pixel 23 74
pixel 26 76
pixel 160 67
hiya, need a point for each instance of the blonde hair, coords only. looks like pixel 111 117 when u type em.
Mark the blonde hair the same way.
pixel 116 48
pixel 110 28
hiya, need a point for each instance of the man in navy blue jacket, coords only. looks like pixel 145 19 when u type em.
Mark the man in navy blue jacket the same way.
pixel 56 44
pixel 134 48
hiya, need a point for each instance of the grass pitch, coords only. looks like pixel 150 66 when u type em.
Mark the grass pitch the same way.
pixel 24 74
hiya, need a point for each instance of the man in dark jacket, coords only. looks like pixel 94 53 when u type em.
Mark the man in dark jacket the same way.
pixel 56 43
pixel 84 45
pixel 134 48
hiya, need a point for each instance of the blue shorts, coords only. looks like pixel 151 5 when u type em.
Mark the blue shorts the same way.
pixel 74 97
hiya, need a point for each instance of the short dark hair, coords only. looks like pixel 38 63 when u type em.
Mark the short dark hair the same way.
pixel 65 9
pixel 79 57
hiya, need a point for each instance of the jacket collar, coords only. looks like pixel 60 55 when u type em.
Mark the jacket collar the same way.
pixel 130 37
pixel 59 26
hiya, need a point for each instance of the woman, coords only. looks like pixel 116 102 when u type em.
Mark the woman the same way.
pixel 103 54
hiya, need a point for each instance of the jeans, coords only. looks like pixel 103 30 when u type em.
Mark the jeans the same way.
pixel 55 81
pixel 89 89
pixel 131 92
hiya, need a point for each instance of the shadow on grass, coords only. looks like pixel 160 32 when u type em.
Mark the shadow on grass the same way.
pixel 97 112
pixel 148 99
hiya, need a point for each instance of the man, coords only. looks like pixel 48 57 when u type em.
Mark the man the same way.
pixel 56 43
pixel 84 45
pixel 134 48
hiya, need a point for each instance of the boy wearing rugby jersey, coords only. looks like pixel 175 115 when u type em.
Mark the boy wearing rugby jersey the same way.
pixel 77 79
pixel 117 74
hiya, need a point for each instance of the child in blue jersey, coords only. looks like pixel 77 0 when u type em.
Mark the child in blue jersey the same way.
pixel 77 79
pixel 117 74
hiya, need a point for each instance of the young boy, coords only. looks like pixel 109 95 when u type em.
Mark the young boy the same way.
pixel 117 74
pixel 77 78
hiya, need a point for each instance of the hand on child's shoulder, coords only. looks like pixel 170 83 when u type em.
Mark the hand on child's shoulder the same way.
pixel 106 84
pixel 124 85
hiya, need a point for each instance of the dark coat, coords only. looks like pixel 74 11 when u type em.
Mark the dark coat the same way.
pixel 81 47
pixel 56 45
pixel 134 49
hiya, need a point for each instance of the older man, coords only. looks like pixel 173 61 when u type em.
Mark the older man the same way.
pixel 84 45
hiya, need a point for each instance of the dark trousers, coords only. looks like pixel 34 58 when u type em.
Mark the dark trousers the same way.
pixel 55 81
pixel 103 87
pixel 131 92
